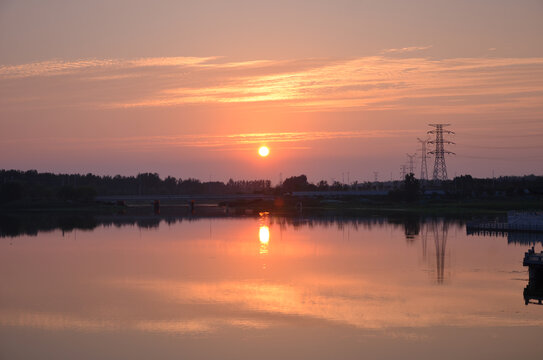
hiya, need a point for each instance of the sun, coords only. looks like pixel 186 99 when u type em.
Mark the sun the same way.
pixel 263 151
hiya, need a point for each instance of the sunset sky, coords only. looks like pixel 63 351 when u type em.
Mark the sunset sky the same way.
pixel 194 88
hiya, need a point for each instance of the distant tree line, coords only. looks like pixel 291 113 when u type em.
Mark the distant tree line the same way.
pixel 504 186
pixel 16 185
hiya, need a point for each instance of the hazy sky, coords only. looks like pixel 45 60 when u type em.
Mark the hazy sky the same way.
pixel 192 88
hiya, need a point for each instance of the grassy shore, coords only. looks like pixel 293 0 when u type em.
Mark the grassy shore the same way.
pixel 445 207
pixel 57 206
pixel 292 205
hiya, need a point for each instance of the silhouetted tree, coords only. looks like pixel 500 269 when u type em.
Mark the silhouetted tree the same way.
pixel 411 187
pixel 323 185
pixel 295 183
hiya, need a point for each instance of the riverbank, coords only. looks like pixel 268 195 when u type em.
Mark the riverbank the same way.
pixel 58 206
pixel 282 205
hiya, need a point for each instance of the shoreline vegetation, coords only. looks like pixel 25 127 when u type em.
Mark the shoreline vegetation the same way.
pixel 30 191
pixel 288 205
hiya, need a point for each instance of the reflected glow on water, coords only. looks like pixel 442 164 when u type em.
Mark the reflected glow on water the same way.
pixel 214 280
pixel 264 237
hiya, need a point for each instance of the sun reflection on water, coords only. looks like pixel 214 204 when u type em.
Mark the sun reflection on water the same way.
pixel 264 237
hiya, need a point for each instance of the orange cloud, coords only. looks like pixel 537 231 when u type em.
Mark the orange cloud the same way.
pixel 222 141
pixel 407 49
pixel 466 85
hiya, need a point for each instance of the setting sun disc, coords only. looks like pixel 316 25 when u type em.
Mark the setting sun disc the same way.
pixel 263 151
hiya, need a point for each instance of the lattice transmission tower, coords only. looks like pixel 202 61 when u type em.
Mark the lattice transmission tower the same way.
pixel 440 168
pixel 423 156
pixel 411 163
pixel 403 171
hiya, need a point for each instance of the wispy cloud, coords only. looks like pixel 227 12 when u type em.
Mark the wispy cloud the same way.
pixel 59 67
pixel 376 83
pixel 468 85
pixel 228 141
pixel 406 49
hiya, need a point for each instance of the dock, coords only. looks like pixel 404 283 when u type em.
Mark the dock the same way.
pixel 533 292
pixel 531 258
pixel 516 221
pixel 497 226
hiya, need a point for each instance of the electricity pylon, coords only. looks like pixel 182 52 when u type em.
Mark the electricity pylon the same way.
pixel 403 171
pixel 411 162
pixel 423 156
pixel 440 168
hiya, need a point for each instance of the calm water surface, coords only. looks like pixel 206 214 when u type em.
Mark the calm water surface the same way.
pixel 265 288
